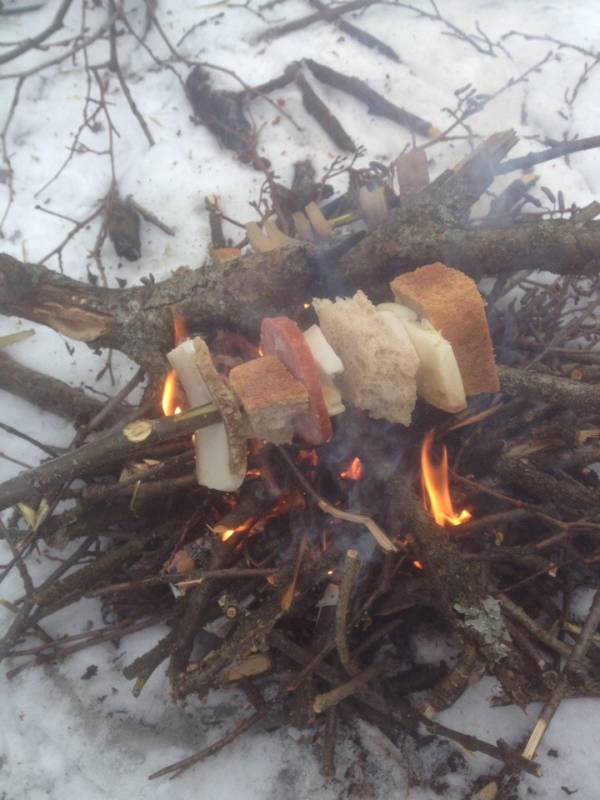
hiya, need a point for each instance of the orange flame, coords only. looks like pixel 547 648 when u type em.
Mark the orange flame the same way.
pixel 169 396
pixel 435 484
pixel 354 471
pixel 180 334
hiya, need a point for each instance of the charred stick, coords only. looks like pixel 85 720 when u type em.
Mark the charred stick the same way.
pixel 376 103
pixel 342 611
pixel 574 395
pixel 328 121
pixel 106 451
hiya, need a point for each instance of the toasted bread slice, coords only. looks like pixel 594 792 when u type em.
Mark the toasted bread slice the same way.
pixel 271 397
pixel 451 302
pixel 379 368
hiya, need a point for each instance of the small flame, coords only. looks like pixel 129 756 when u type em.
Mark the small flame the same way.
pixel 435 484
pixel 417 564
pixel 354 471
pixel 227 534
pixel 169 395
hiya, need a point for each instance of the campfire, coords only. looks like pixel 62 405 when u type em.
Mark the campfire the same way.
pixel 325 485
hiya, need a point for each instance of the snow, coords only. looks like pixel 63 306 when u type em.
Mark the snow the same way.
pixel 61 735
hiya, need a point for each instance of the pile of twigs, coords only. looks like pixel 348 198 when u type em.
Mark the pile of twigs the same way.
pixel 279 586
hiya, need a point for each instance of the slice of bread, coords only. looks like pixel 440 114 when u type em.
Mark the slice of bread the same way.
pixel 271 397
pixel 451 302
pixel 379 367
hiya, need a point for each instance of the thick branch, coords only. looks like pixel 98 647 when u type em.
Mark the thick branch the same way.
pixel 138 321
pixel 563 247
pixel 46 392
pixel 581 397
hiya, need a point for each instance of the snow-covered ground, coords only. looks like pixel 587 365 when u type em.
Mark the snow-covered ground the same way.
pixel 62 736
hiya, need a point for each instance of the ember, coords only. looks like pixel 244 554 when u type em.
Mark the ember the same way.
pixel 310 457
pixel 354 471
pixel 436 491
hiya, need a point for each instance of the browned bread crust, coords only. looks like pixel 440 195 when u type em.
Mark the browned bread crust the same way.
pixel 451 301
pixel 271 397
